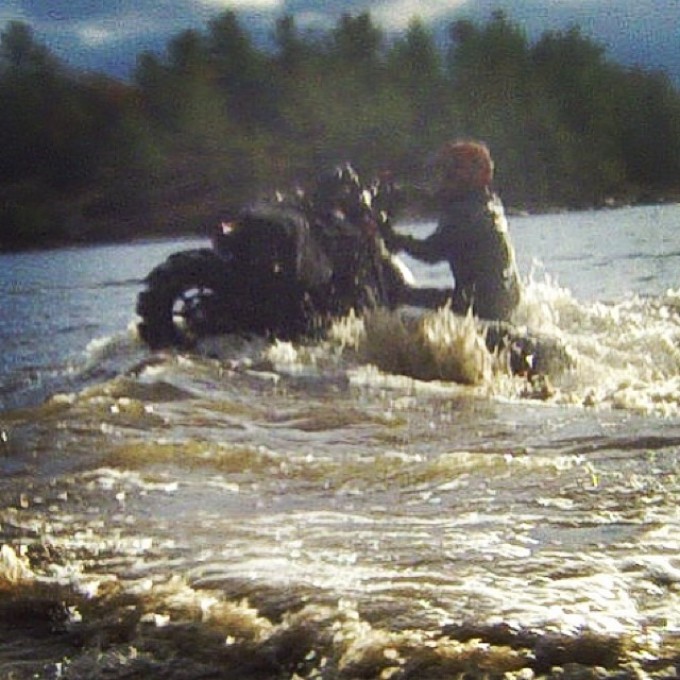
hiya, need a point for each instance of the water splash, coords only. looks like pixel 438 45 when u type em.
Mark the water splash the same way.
pixel 626 354
pixel 621 355
pixel 432 346
pixel 612 355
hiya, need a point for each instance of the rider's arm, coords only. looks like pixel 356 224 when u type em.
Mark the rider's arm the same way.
pixel 432 249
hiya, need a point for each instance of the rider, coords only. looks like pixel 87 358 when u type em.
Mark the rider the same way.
pixel 472 234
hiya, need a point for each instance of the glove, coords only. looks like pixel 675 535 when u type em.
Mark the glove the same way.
pixel 393 241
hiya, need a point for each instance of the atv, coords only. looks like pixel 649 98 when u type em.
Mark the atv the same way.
pixel 287 267
pixel 283 268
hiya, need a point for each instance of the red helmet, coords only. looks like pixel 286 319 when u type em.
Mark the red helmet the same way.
pixel 463 166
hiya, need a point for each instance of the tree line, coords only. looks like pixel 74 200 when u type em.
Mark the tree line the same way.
pixel 214 120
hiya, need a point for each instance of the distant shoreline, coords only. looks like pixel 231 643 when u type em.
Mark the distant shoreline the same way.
pixel 203 233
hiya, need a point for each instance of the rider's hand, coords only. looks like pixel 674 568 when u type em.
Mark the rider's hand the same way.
pixel 391 238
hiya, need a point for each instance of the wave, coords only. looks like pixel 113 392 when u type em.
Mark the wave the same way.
pixel 623 355
pixel 104 358
pixel 222 626
pixel 611 355
pixel 626 353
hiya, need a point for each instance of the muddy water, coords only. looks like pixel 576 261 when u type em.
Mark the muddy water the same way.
pixel 269 510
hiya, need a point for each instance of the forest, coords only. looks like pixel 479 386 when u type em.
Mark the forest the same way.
pixel 214 121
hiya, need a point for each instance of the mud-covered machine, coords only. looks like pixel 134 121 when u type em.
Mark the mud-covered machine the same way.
pixel 275 269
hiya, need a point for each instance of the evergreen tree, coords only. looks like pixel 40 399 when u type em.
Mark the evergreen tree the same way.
pixel 416 74
pixel 497 101
pixel 648 130
pixel 214 120
pixel 571 71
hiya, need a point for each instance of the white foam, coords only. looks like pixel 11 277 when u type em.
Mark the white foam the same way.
pixel 14 568
pixel 626 354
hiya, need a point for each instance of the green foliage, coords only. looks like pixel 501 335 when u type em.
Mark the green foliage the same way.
pixel 356 43
pixel 423 93
pixel 496 99
pixel 20 54
pixel 214 120
pixel 648 130
pixel 70 143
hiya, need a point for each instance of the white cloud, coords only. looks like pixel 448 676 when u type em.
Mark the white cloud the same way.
pixel 107 31
pixel 314 20
pixel 97 36
pixel 396 14
pixel 244 4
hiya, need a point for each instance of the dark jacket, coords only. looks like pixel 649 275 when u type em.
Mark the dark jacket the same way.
pixel 472 234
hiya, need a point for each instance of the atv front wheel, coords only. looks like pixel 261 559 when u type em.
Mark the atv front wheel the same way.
pixel 184 300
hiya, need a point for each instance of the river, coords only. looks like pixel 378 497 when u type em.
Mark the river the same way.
pixel 258 510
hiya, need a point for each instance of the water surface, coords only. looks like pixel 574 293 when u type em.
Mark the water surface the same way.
pixel 262 509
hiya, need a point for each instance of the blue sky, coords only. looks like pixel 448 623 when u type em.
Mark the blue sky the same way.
pixel 108 34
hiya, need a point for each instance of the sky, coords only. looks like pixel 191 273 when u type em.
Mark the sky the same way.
pixel 107 35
